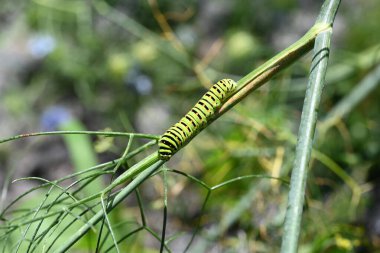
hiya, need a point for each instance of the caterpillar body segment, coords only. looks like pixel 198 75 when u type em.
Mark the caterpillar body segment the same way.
pixel 195 120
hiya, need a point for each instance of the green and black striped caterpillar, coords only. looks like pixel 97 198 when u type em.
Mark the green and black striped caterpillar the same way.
pixel 195 120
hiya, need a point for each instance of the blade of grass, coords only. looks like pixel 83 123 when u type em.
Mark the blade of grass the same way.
pixel 307 128
pixel 81 151
pixel 346 105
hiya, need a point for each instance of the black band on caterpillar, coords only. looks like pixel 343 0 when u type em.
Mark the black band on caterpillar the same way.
pixel 195 120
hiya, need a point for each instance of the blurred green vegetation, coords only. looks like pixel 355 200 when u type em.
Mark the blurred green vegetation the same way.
pixel 88 57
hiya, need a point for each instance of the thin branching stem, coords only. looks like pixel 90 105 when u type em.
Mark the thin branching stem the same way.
pixel 118 198
pixel 97 133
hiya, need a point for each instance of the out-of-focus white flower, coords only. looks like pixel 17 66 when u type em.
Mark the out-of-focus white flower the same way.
pixel 41 45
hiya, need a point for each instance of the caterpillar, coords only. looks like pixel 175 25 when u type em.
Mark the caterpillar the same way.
pixel 195 120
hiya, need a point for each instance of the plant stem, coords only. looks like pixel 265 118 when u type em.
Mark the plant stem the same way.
pixel 262 74
pixel 306 131
pixel 103 133
pixel 133 171
pixel 118 198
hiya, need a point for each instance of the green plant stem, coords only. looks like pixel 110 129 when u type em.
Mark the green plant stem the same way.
pixel 133 171
pixel 104 133
pixel 127 175
pixel 118 198
pixel 306 131
pixel 262 74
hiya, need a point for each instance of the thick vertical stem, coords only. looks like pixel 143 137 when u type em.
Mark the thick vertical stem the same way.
pixel 307 129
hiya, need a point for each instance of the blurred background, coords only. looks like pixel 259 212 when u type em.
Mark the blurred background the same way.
pixel 138 66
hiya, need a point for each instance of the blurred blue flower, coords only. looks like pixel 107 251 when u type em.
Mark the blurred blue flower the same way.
pixel 41 45
pixel 53 117
pixel 139 81
pixel 143 85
